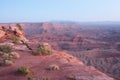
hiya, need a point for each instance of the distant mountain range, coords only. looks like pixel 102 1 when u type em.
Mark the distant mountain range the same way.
pixel 88 22
pixel 74 22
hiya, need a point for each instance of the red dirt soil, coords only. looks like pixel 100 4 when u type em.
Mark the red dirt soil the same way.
pixel 68 64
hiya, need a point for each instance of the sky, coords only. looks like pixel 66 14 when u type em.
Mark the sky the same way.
pixel 59 10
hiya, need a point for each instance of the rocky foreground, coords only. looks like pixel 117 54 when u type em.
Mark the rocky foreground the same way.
pixel 69 68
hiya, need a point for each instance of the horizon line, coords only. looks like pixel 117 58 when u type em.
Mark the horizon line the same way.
pixel 57 21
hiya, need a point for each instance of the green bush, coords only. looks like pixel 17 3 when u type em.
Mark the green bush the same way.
pixel 15 39
pixel 6 48
pixel 23 70
pixel 41 50
pixel 54 67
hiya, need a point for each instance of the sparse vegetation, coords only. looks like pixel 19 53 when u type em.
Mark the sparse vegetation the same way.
pixel 23 70
pixel 7 55
pixel 10 56
pixel 8 62
pixel 14 55
pixel 6 48
pixel 41 50
pixel 54 67
pixel 15 39
pixel 7 58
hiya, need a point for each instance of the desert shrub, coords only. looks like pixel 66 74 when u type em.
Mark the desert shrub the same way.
pixel 23 70
pixel 5 56
pixel 14 55
pixel 8 62
pixel 41 50
pixel 54 67
pixel 15 39
pixel 6 48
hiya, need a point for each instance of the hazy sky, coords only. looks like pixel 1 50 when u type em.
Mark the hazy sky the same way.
pixel 60 10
